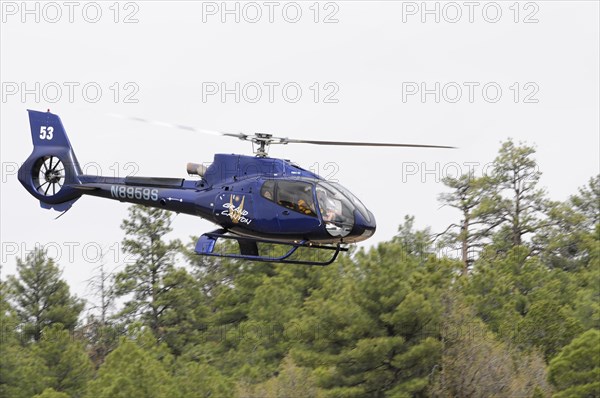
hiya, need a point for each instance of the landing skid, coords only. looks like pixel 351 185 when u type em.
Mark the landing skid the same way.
pixel 249 249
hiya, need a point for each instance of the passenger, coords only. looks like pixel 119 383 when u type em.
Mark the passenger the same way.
pixel 305 208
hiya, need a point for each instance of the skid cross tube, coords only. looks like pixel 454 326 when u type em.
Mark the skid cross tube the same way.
pixel 206 243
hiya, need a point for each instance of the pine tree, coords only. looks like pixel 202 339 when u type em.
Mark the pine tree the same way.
pixel 476 363
pixel 100 329
pixel 22 374
pixel 197 380
pixel 152 275
pixel 576 370
pixel 291 381
pixel 42 298
pixel 373 328
pixel 68 365
pixel 52 393
pixel 515 176
pixel 568 238
pixel 468 195
pixel 587 202
pixel 131 371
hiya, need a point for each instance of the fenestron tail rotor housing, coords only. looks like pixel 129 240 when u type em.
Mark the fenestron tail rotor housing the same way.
pixel 48 175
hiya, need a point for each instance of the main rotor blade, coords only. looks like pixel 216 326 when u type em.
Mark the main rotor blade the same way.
pixel 268 139
pixel 351 143
pixel 178 126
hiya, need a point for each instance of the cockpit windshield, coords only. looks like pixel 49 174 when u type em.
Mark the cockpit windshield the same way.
pixel 355 201
pixel 336 210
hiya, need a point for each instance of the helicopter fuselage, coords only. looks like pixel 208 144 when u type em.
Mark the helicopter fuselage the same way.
pixel 249 196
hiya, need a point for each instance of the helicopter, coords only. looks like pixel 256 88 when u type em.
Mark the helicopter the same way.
pixel 253 199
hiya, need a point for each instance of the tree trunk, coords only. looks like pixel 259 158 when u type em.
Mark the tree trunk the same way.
pixel 465 244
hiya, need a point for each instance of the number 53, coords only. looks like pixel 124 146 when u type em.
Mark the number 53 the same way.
pixel 46 133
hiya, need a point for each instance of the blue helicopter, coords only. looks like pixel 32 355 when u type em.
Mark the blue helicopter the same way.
pixel 253 199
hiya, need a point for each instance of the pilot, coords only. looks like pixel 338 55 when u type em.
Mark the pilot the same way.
pixel 325 205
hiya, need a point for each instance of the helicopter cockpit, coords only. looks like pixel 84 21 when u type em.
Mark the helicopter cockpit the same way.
pixel 335 204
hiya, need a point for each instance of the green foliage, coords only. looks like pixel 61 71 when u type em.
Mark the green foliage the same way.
pixel 196 380
pixel 390 321
pixel 130 371
pixel 251 304
pixel 68 367
pixel 587 299
pixel 8 326
pixel 268 332
pixel 515 172
pixel 587 202
pixel 184 311
pixel 476 363
pixel 500 286
pixel 291 382
pixel 570 236
pixel 563 237
pixel 51 393
pixel 101 331
pixel 373 329
pixel 57 364
pixel 163 296
pixel 548 326
pixel 519 298
pixel 576 370
pixel 42 298
pixel 503 207
pixel 469 195
pixel 21 373
pixel 101 338
pixel 416 243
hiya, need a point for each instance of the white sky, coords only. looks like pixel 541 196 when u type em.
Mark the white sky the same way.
pixel 374 51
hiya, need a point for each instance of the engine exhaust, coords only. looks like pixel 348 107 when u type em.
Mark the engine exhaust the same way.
pixel 196 169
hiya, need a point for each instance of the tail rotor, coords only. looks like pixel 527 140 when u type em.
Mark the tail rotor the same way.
pixel 48 175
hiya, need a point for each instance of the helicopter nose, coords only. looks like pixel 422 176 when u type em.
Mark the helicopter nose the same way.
pixel 364 228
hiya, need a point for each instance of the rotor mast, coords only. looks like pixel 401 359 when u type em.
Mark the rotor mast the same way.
pixel 262 142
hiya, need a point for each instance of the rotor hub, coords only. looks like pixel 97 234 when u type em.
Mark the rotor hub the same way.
pixel 262 140
pixel 52 176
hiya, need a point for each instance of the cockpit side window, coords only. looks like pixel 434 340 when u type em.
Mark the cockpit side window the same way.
pixel 297 196
pixel 268 190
